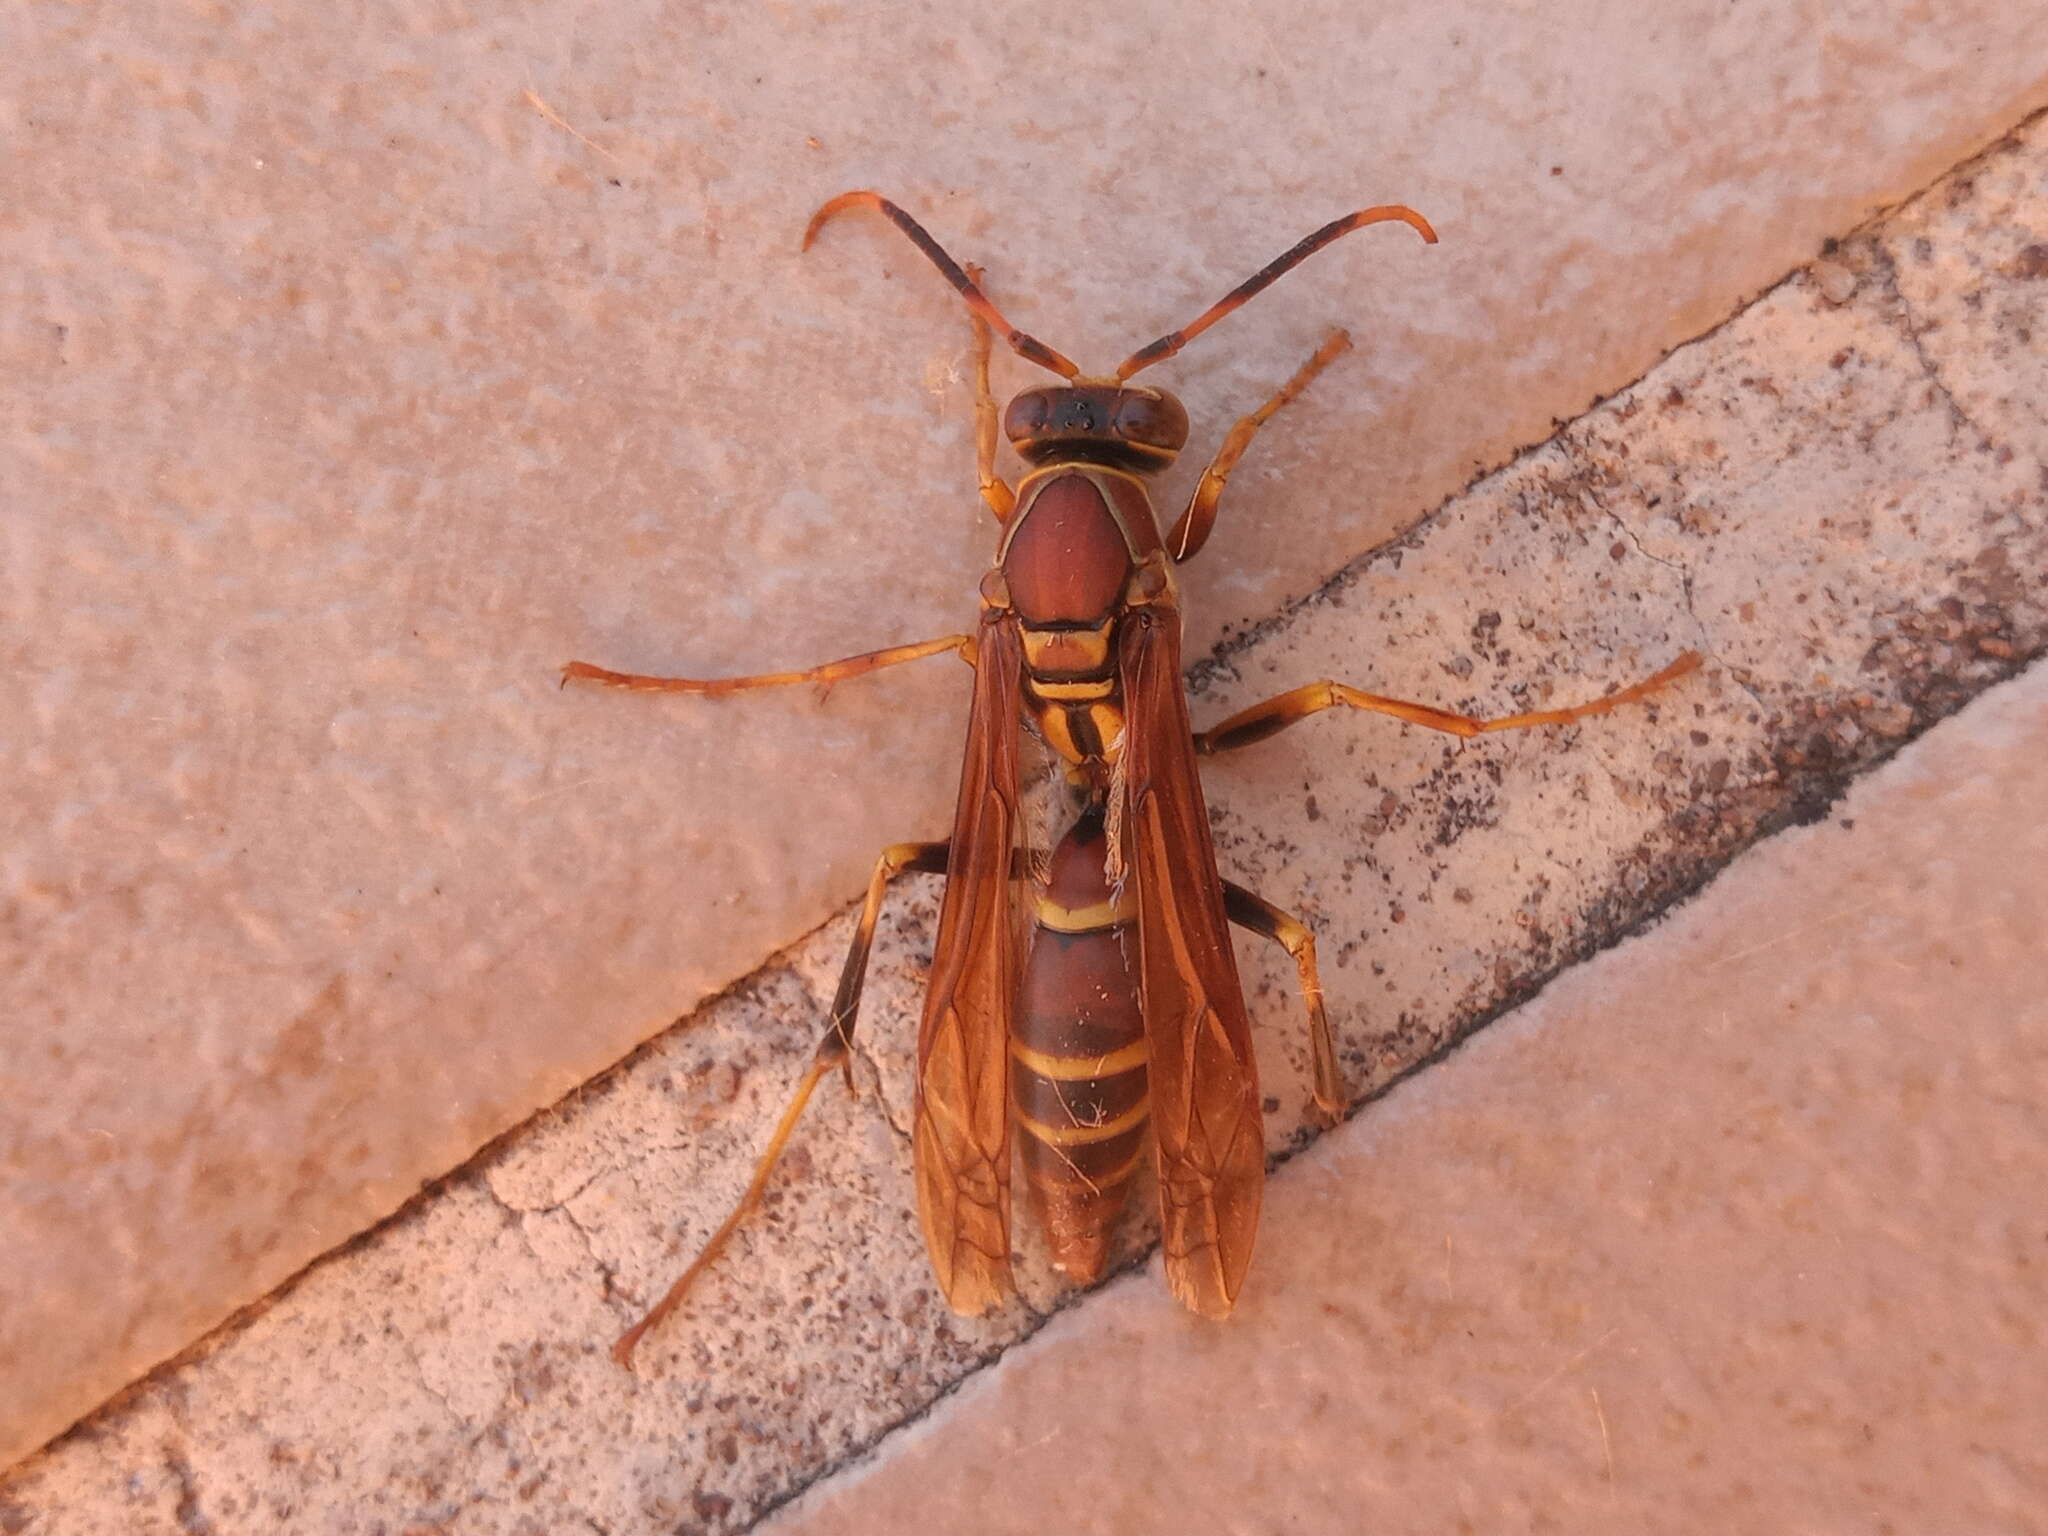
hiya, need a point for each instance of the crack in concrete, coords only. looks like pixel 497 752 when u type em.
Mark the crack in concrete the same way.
pixel 419 1371
pixel 1628 532
pixel 1896 314
pixel 1728 669
pixel 562 1203
pixel 1739 676
pixel 508 1204
pixel 607 1272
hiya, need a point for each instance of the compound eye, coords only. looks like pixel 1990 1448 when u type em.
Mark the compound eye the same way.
pixel 1025 417
pixel 1155 421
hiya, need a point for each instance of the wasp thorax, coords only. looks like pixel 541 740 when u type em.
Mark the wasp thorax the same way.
pixel 1140 429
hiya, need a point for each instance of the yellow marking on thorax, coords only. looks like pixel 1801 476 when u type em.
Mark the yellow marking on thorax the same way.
pixel 1068 650
pixel 1079 1069
pixel 1084 1135
pixel 1109 725
pixel 1055 725
pixel 1092 688
pixel 1052 724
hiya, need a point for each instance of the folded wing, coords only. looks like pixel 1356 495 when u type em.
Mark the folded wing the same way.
pixel 961 1145
pixel 1205 1093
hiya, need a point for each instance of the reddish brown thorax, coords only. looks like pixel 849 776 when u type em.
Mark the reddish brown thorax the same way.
pixel 1080 539
pixel 1067 561
pixel 1082 521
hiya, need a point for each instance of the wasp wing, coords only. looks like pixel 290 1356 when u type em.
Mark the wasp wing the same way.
pixel 961 1143
pixel 1206 1118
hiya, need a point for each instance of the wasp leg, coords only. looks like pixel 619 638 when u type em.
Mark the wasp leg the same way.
pixel 824 676
pixel 897 859
pixel 1192 531
pixel 834 1049
pixel 994 489
pixel 1276 714
pixel 1255 914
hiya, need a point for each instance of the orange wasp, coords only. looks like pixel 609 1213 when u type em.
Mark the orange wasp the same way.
pixel 1114 1022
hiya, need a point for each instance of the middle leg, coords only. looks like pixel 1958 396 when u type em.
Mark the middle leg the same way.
pixel 824 676
pixel 1297 704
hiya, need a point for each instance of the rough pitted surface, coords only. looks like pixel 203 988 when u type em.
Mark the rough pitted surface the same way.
pixel 1837 496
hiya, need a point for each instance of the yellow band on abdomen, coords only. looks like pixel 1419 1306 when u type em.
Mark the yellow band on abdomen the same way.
pixel 1079 1069
pixel 1084 1135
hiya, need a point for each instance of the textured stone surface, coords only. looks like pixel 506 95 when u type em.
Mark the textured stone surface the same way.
pixel 1837 495
pixel 1733 1228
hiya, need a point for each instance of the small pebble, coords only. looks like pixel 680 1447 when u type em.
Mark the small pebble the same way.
pixel 1836 282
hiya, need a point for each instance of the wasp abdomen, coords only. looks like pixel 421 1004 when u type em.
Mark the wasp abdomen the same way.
pixel 1078 1055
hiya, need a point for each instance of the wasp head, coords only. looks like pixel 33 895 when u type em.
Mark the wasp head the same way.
pixel 1097 421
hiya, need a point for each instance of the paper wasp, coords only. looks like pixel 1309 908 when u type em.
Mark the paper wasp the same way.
pixel 1117 1022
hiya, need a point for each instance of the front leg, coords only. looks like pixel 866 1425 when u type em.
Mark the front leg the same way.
pixel 995 490
pixel 1192 531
